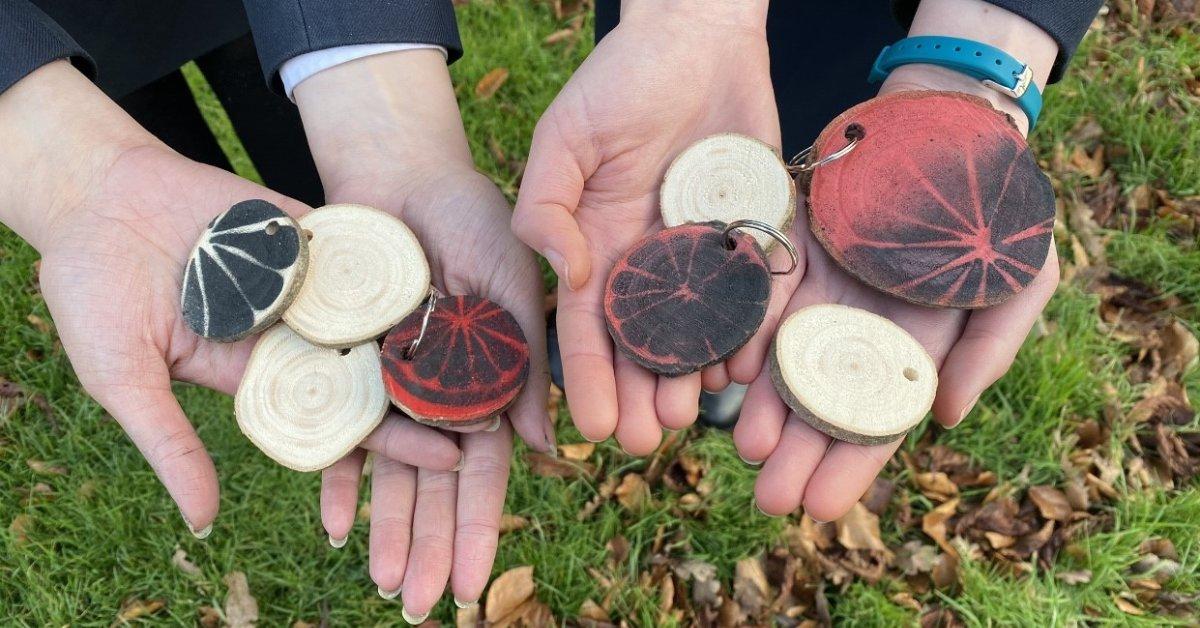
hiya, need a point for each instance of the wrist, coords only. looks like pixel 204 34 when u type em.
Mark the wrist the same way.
pixel 742 14
pixel 391 117
pixel 62 136
pixel 917 77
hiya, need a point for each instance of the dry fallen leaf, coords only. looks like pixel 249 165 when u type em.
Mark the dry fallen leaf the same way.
pixel 133 608
pixel 241 609
pixel 19 528
pixel 45 468
pixel 593 611
pixel 934 524
pixel 512 523
pixel 551 467
pixel 508 591
pixel 577 451
pixel 1082 576
pixel 209 617
pixel 490 83
pixel 1127 605
pixel 633 493
pixel 39 323
pixel 558 36
pixel 750 586
pixel 936 485
pixel 859 530
pixel 1051 502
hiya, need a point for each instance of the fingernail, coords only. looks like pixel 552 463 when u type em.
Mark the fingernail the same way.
pixel 413 619
pixel 202 533
pixel 338 543
pixel 967 410
pixel 561 268
pixel 750 462
pixel 591 440
pixel 389 595
pixel 816 521
pixel 494 426
pixel 462 462
pixel 754 500
pixel 459 603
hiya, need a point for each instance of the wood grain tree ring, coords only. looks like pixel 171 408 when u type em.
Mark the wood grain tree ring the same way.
pixel 851 374
pixel 307 406
pixel 368 272
pixel 243 272
pixel 687 297
pixel 729 177
pixel 471 363
pixel 941 203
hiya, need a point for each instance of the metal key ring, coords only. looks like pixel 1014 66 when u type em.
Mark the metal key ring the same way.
pixel 796 164
pixel 770 230
pixel 430 304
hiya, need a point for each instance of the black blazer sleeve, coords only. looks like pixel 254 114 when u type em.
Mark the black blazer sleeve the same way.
pixel 1066 21
pixel 286 28
pixel 29 39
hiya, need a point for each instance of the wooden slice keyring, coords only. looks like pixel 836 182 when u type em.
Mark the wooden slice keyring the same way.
pixel 368 272
pixel 851 374
pixel 942 202
pixel 307 406
pixel 687 297
pixel 729 177
pixel 458 361
pixel 244 271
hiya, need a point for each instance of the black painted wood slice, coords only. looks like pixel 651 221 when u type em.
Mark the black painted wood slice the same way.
pixel 941 203
pixel 687 297
pixel 470 365
pixel 243 272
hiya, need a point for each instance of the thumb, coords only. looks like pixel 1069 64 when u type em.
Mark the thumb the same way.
pixel 550 191
pixel 150 414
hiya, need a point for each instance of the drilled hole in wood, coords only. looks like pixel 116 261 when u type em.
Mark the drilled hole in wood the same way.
pixel 308 235
pixel 272 228
pixel 855 132
pixel 910 374
pixel 343 352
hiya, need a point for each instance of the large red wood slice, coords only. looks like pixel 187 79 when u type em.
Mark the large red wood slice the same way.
pixel 941 203
pixel 687 297
pixel 469 367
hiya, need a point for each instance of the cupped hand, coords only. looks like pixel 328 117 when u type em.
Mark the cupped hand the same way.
pixel 805 467
pixel 111 275
pixel 657 83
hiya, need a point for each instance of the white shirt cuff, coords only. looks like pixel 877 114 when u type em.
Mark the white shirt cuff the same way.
pixel 295 70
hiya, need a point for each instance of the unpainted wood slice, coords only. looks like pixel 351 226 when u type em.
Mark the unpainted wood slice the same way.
pixel 941 203
pixel 684 298
pixel 368 272
pixel 729 177
pixel 855 376
pixel 307 406
pixel 243 272
pixel 470 365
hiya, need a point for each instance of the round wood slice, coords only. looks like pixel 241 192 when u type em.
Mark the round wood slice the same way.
pixel 469 366
pixel 368 272
pixel 941 203
pixel 307 406
pixel 682 299
pixel 855 376
pixel 243 272
pixel 729 177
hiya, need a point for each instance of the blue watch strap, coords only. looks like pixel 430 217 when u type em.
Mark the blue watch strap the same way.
pixel 997 69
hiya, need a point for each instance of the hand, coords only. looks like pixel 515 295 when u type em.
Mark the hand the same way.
pixel 410 157
pixel 658 82
pixel 114 239
pixel 973 349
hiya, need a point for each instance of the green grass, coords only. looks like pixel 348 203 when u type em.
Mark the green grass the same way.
pixel 107 531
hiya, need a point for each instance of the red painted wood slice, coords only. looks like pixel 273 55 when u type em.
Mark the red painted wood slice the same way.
pixel 684 298
pixel 469 367
pixel 941 203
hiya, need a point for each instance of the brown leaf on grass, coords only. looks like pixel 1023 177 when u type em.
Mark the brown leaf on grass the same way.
pixel 1159 546
pixel 914 557
pixel 750 587
pixel 706 589
pixel 42 467
pixel 12 396
pixel 945 573
pixel 1126 603
pixel 490 83
pixel 935 525
pixel 936 485
pixel 241 609
pixel 181 562
pixel 551 467
pixel 39 323
pixel 591 610
pixel 134 608
pixel 603 493
pixel 19 528
pixel 1091 165
pixel 633 493
pixel 512 523
pixel 554 400
pixel 1082 576
pixel 858 529
pixel 208 617
pixel 577 451
pixel 559 36
pixel 532 613
pixel 1051 502
pixel 879 495
pixel 508 592
pixel 1179 349
pixel 941 617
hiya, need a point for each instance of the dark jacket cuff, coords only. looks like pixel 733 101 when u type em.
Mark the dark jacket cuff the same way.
pixel 1066 21
pixel 29 39
pixel 283 30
